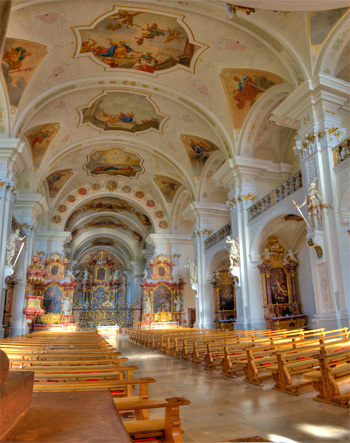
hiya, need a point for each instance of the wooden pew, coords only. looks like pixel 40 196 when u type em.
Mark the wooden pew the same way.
pixel 324 381
pixel 167 428
pixel 284 371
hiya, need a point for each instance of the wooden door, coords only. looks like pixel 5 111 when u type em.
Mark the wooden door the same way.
pixel 191 317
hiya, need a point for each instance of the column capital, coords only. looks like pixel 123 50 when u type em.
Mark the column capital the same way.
pixel 14 158
pixel 28 207
pixel 318 103
pixel 241 172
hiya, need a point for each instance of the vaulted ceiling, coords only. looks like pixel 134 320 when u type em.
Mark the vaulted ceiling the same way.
pixel 128 111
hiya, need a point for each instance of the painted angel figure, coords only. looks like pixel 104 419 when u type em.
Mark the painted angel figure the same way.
pixel 290 257
pixel 315 204
pixel 233 248
pixel 11 246
pixel 193 270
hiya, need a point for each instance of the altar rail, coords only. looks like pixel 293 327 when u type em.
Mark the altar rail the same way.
pixel 217 236
pixel 287 188
pixel 341 152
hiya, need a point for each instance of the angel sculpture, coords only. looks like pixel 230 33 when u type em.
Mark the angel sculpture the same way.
pixel 11 246
pixel 290 257
pixel 315 204
pixel 233 248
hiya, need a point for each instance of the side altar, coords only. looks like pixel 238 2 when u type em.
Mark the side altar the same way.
pixel 162 296
pixel 278 278
pixel 49 294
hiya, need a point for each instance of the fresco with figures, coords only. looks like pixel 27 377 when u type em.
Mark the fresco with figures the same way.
pixel 53 300
pixel 140 40
pixel 39 139
pixel 198 150
pixel 122 111
pixel 114 162
pixel 168 187
pixel 19 61
pixel 109 204
pixel 243 87
pixel 57 180
pixel 105 222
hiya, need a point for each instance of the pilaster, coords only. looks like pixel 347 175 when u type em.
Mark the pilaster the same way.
pixel 318 110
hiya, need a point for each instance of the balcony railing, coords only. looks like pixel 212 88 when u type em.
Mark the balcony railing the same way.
pixel 218 236
pixel 341 152
pixel 291 185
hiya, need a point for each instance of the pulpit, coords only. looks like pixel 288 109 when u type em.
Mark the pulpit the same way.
pixel 162 296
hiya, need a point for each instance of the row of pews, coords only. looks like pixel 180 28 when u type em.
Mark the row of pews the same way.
pixel 293 359
pixel 84 361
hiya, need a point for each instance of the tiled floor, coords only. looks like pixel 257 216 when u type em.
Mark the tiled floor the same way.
pixel 224 408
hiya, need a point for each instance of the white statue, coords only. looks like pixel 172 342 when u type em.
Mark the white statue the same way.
pixel 315 204
pixel 145 275
pixel 233 247
pixel 66 306
pixel 148 305
pixel 70 276
pixel 178 304
pixel 193 270
pixel 116 274
pixel 86 274
pixel 11 246
pixel 289 257
pixel 266 255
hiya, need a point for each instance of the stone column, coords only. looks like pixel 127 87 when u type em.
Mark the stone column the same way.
pixel 13 160
pixel 318 110
pixel 206 218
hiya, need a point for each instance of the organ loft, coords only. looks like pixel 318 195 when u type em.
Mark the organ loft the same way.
pixel 174 221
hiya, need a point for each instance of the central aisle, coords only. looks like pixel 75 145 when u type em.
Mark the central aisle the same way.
pixel 223 408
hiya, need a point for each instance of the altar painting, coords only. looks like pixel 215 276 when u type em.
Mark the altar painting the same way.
pixel 135 39
pixel 226 297
pixel 162 299
pixel 198 150
pixel 39 138
pixel 53 300
pixel 279 288
pixel 19 62
pixel 57 180
pixel 122 111
pixel 243 87
pixel 100 274
pixel 114 162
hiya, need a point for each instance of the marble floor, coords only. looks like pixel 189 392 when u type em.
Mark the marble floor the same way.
pixel 224 408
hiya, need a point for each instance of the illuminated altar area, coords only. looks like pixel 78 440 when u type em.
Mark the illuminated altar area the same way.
pixel 96 300
pixel 162 296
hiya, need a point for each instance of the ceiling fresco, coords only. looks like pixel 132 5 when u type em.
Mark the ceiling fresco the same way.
pixel 128 112
pixel 243 87
pixel 57 180
pixel 114 162
pixel 39 139
pixel 198 150
pixel 167 186
pixel 19 62
pixel 122 111
pixel 137 40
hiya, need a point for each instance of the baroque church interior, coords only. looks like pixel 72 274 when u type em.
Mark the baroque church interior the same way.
pixel 174 192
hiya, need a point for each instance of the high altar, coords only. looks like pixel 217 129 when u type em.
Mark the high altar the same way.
pixel 99 304
pixel 278 278
pixel 49 294
pixel 162 297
